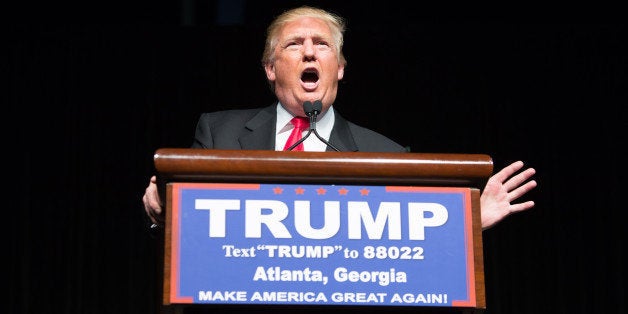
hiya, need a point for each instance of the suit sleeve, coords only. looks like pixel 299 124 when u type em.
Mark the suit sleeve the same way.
pixel 203 135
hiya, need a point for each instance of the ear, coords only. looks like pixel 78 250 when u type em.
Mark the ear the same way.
pixel 341 72
pixel 270 71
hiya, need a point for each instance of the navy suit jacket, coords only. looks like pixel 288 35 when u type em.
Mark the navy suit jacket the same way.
pixel 254 129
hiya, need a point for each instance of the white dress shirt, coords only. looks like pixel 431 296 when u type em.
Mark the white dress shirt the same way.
pixel 324 124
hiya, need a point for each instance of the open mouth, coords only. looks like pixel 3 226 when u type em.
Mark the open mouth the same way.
pixel 309 76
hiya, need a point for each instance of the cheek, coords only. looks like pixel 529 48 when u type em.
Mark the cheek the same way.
pixel 331 75
pixel 281 69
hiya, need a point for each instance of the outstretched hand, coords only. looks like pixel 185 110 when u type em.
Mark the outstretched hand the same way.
pixel 501 190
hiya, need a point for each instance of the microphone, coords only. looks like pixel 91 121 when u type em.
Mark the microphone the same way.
pixel 311 111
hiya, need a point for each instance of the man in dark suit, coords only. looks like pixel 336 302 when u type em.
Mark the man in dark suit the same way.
pixel 303 62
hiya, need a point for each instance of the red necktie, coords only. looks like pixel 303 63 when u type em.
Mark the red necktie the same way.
pixel 300 124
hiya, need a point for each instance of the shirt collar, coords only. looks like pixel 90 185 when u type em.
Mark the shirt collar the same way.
pixel 324 125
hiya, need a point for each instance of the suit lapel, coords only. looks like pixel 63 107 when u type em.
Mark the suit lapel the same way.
pixel 341 136
pixel 262 130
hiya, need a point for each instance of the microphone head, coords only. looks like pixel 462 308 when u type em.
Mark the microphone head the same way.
pixel 317 106
pixel 308 108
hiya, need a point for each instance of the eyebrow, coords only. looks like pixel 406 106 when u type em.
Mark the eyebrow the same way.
pixel 303 36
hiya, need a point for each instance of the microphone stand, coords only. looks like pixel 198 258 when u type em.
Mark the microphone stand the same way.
pixel 301 140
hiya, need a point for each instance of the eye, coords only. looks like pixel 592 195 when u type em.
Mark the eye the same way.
pixel 292 42
pixel 322 43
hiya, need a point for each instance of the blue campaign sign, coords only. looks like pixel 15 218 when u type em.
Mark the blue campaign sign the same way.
pixel 302 244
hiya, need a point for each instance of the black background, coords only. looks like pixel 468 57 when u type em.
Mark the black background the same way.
pixel 94 89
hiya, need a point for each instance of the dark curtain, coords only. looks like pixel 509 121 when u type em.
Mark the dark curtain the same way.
pixel 92 95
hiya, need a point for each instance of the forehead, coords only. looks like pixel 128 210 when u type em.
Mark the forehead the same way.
pixel 305 27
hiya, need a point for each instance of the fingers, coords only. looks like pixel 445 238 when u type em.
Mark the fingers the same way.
pixel 508 171
pixel 512 183
pixel 502 189
pixel 519 179
pixel 148 209
pixel 518 192
pixel 515 185
pixel 152 202
pixel 521 206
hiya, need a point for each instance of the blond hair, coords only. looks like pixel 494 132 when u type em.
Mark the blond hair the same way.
pixel 335 22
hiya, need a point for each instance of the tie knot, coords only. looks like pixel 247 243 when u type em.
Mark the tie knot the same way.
pixel 300 123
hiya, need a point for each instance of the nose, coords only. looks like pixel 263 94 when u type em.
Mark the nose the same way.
pixel 308 49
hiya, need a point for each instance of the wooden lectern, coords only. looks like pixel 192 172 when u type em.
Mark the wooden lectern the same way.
pixel 359 168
